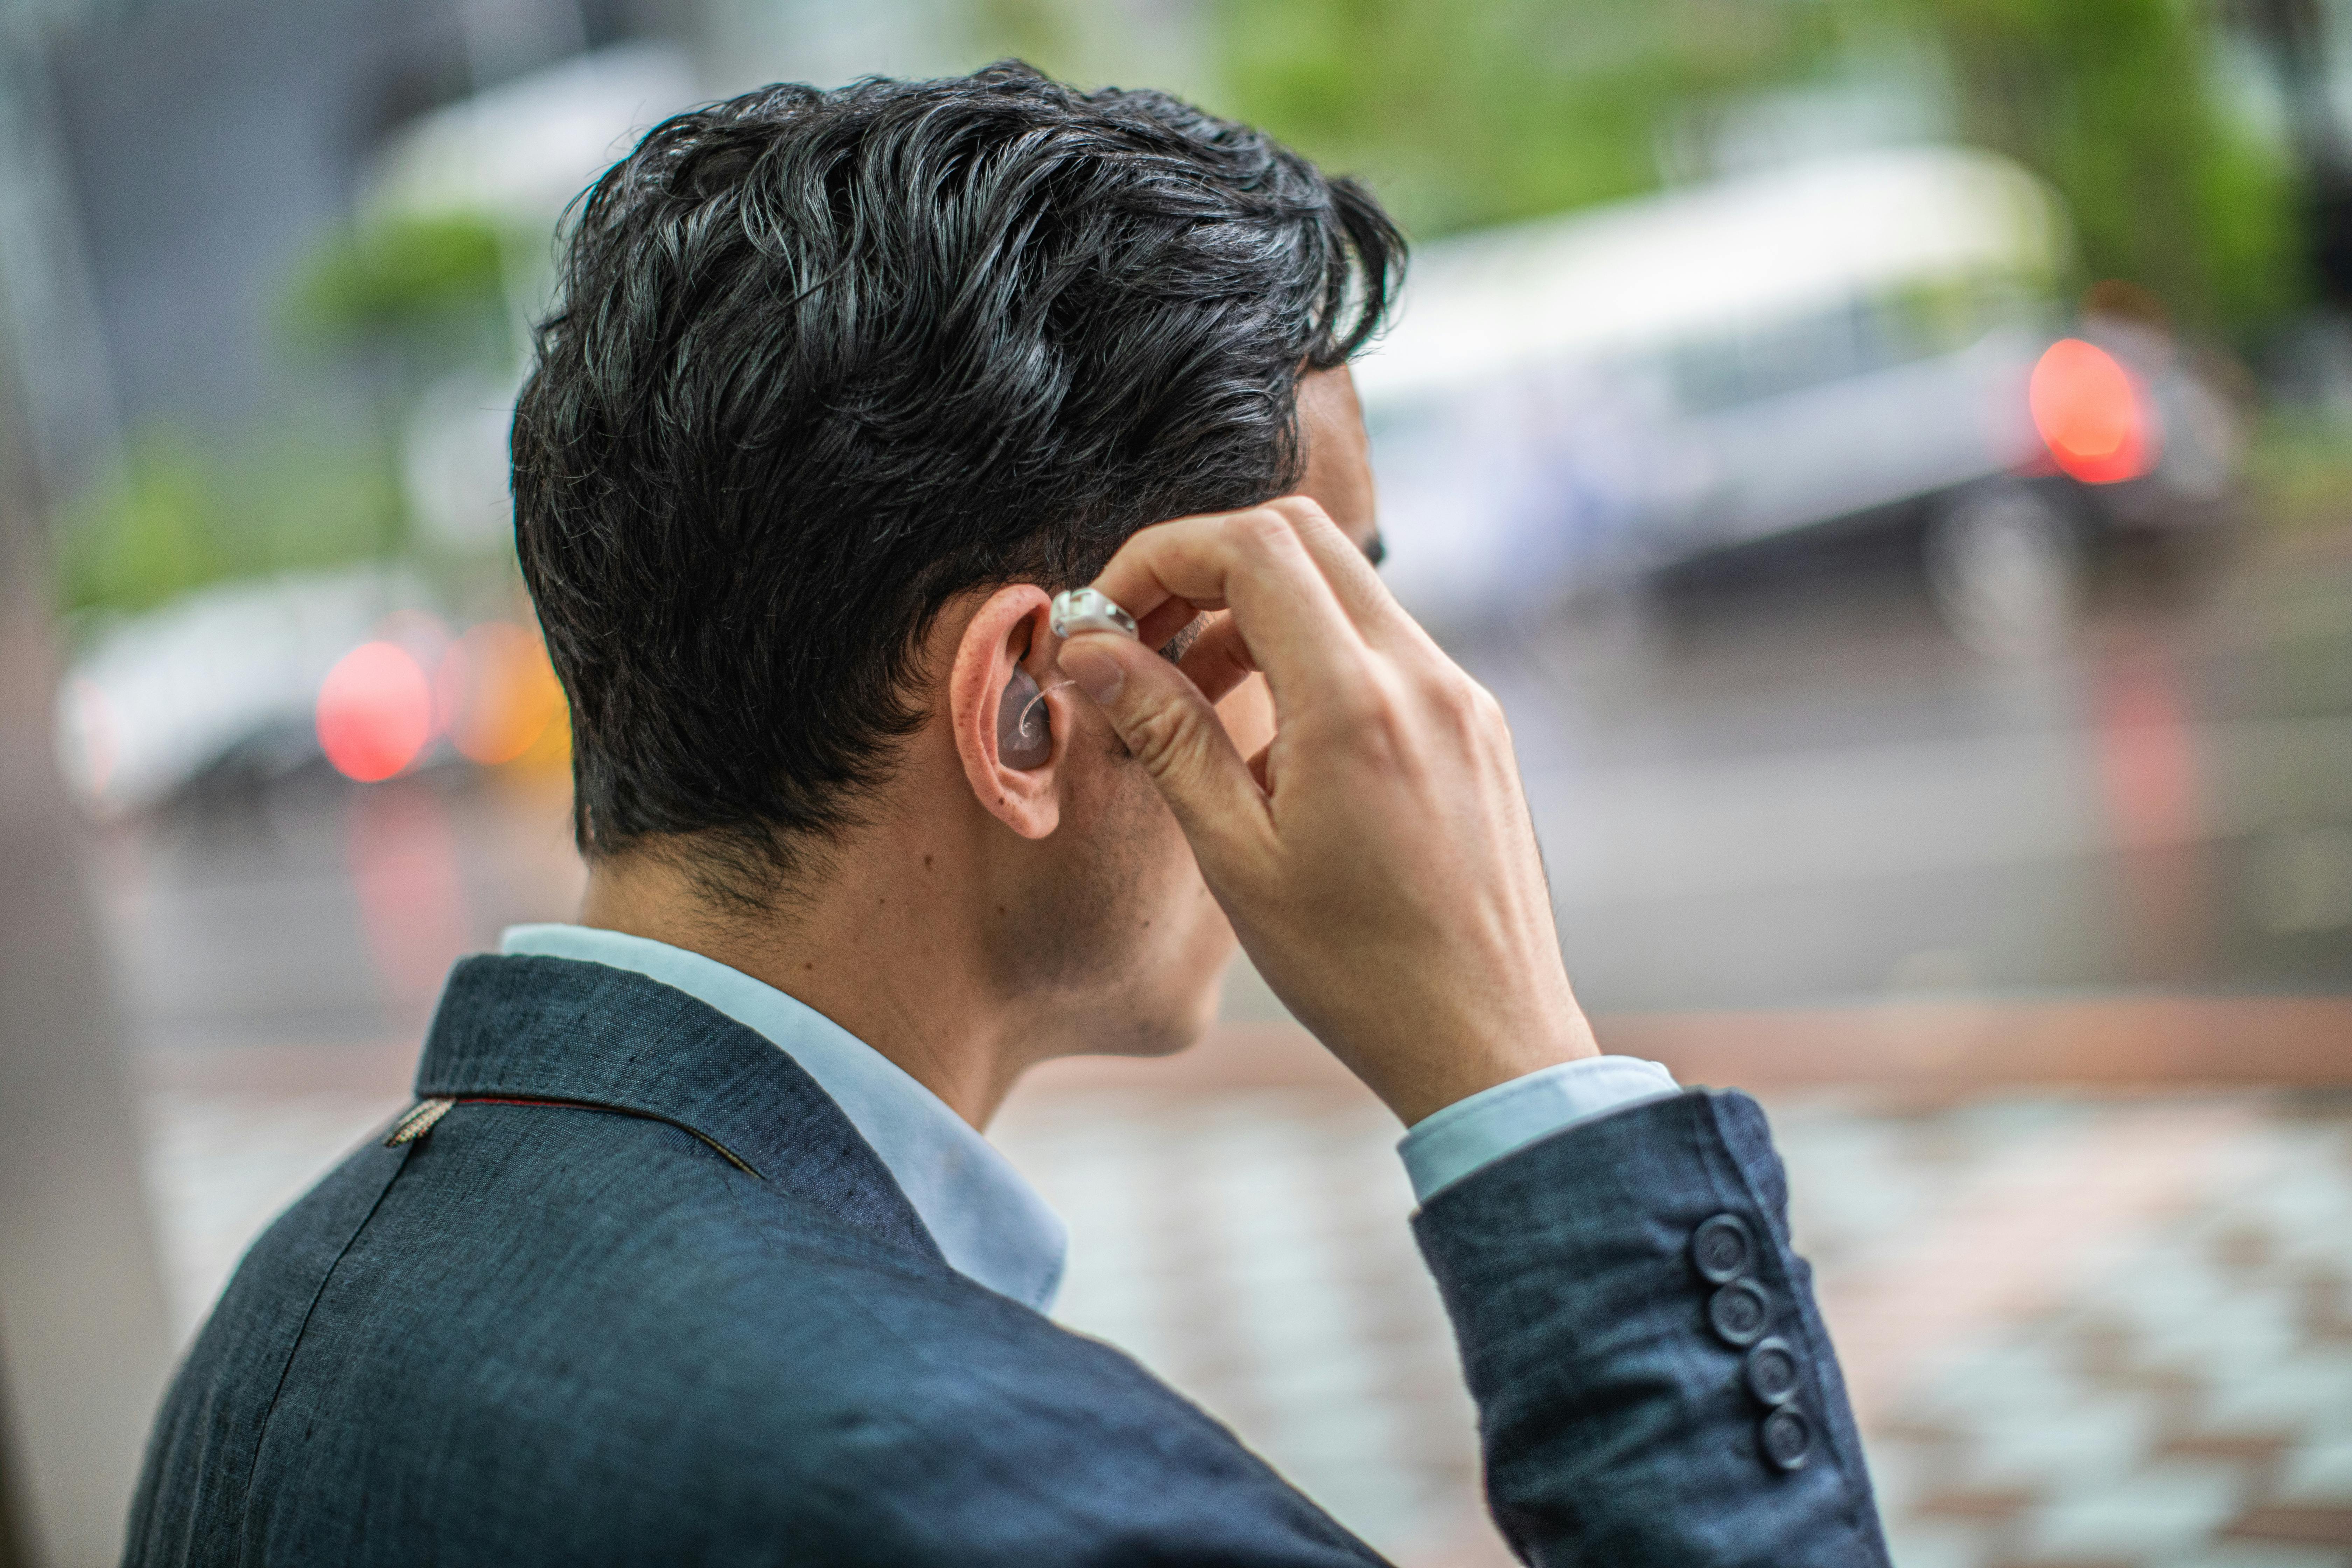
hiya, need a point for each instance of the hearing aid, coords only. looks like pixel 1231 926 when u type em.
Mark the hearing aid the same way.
pixel 1080 610
pixel 1024 729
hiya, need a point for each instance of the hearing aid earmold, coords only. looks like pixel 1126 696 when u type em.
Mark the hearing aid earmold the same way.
pixel 1080 610
pixel 1024 735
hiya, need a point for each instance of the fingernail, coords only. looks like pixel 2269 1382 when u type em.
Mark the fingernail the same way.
pixel 1097 673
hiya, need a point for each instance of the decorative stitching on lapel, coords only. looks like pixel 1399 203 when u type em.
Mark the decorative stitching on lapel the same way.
pixel 417 1120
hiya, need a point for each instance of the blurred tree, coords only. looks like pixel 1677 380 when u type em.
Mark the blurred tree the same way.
pixel 434 287
pixel 417 297
pixel 2293 36
pixel 1472 114
pixel 1465 115
pixel 154 529
pixel 2114 102
pixel 177 515
pixel 1038 31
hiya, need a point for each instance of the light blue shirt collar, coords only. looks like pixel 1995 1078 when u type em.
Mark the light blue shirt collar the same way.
pixel 991 1224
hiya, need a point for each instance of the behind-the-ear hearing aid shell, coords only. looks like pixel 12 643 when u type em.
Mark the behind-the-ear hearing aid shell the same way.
pixel 1025 727
pixel 1080 610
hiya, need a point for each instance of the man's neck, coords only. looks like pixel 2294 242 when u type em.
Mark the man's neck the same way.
pixel 882 944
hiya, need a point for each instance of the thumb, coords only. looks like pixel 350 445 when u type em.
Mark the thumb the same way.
pixel 1173 729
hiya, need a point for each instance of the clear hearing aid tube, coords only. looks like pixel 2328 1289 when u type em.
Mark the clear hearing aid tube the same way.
pixel 1028 714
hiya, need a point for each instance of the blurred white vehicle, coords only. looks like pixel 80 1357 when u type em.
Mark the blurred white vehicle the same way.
pixel 1564 405
pixel 242 684
pixel 224 677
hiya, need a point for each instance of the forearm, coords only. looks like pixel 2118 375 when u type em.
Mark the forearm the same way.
pixel 1378 860
pixel 1620 1425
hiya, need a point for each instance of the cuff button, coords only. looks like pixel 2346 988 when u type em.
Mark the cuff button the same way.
pixel 1787 1438
pixel 1723 1249
pixel 1772 1370
pixel 1738 1312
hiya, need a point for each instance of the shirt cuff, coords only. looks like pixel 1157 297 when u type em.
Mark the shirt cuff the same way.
pixel 1470 1134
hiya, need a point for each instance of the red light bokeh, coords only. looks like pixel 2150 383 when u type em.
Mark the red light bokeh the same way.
pixel 375 711
pixel 2091 413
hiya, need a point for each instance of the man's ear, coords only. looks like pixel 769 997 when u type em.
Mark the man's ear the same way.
pixel 1009 634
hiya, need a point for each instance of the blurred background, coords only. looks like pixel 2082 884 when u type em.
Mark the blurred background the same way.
pixel 1893 458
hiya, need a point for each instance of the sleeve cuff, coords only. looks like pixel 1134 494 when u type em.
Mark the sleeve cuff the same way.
pixel 1470 1134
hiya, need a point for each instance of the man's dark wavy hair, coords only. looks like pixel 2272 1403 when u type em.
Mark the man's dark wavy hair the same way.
pixel 823 361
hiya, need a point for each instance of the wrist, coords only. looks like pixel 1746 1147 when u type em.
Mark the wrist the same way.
pixel 1447 1077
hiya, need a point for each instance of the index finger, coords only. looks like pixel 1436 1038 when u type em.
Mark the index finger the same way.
pixel 1354 580
pixel 1253 564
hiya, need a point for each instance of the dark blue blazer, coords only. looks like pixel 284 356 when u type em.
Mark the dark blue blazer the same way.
pixel 644 1295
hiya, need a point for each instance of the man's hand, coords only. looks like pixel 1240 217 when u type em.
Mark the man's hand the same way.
pixel 1377 858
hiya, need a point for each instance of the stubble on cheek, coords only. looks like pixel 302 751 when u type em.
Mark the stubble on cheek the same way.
pixel 1112 887
pixel 1128 922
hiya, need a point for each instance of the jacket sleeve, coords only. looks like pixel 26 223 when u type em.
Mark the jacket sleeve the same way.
pixel 1654 1384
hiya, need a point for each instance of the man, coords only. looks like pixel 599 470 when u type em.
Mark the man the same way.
pixel 691 1248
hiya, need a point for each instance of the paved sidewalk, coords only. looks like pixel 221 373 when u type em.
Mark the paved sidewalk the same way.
pixel 2084 1333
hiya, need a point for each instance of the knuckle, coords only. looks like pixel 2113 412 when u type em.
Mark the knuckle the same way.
pixel 1379 720
pixel 1160 734
pixel 1461 701
pixel 1480 704
pixel 1299 511
pixel 1261 530
pixel 1363 704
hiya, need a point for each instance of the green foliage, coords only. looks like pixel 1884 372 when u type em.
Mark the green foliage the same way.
pixel 422 282
pixel 1038 31
pixel 179 516
pixel 1467 113
pixel 417 295
pixel 1471 114
pixel 2114 102
pixel 153 532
